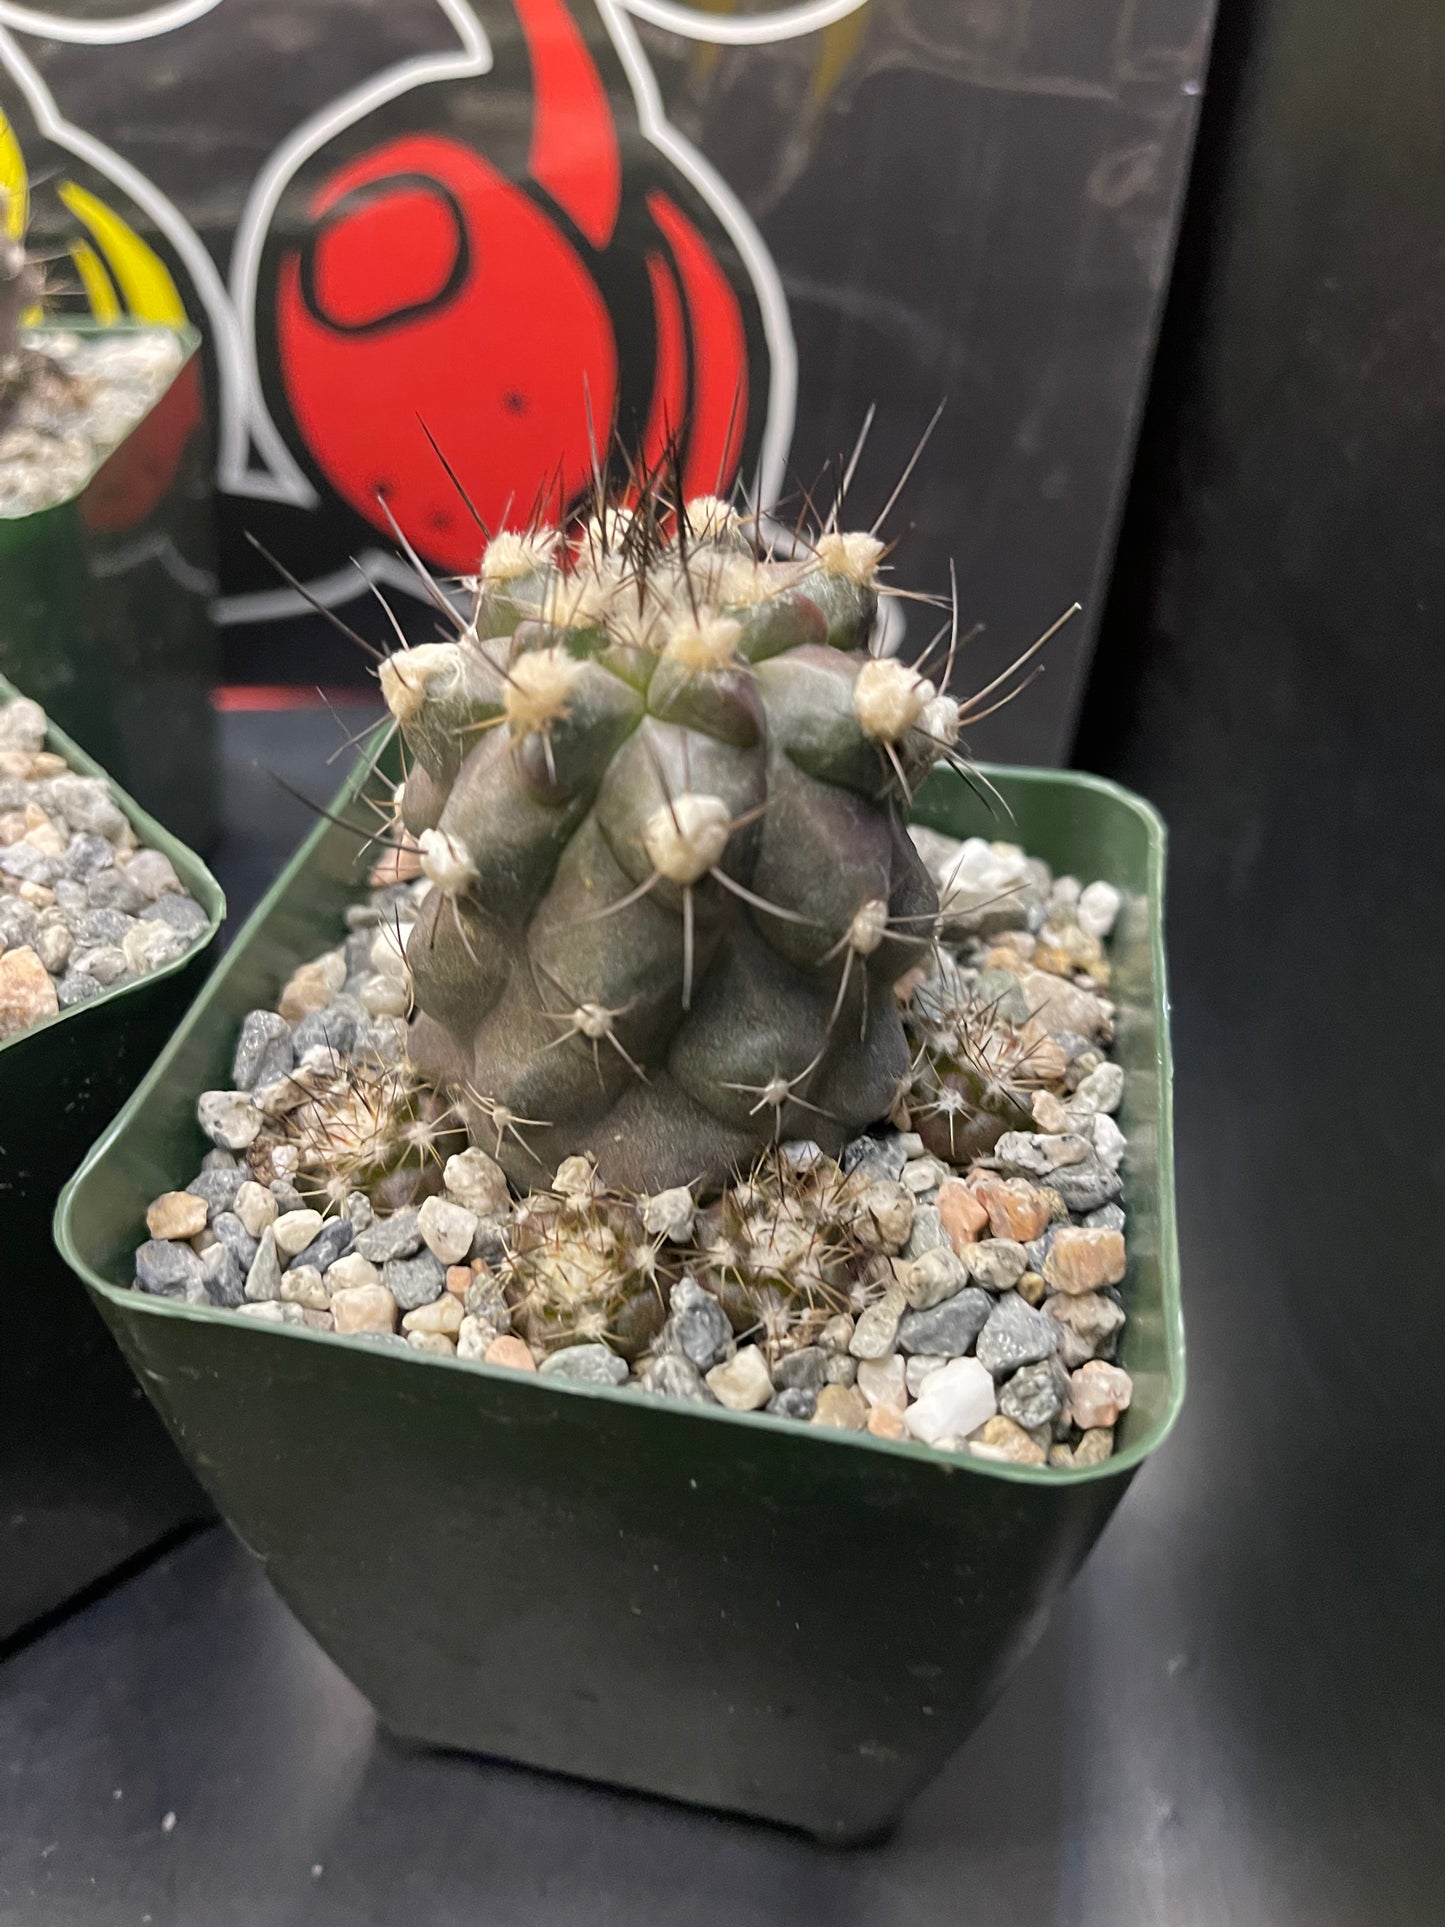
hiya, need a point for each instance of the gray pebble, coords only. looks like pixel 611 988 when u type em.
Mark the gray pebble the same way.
pixel 840 1370
pixel 927 1233
pixel 168 1269
pixel 885 1155
pixel 113 890
pixel 1035 1154
pixel 218 1160
pixel 587 1364
pixel 359 1211
pixel 263 1050
pixel 1034 1396
pixel 670 1375
pixel 697 1325
pixel 24 861
pixel 181 913
pixel 413 1281
pixel 152 873
pixel 74 988
pixel 19 924
pixel 395 1237
pixel 1085 1187
pixel 86 804
pixel 225 1276
pixel 70 898
pixel 331 1242
pixel 1038 1249
pixel 997 1263
pixel 490 1244
pixel 231 1232
pixel 947 1330
pixel 794 1401
pixel 84 855
pixel 218 1187
pixel 103 927
pixel 337 1028
pixel 485 1299
pixel 1015 1335
pixel 263 1280
pixel 53 946
pixel 802 1370
pixel 1108 1217
pixel 287 1197
pixel 106 964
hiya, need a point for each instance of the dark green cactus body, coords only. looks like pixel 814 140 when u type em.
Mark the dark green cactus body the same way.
pixel 663 816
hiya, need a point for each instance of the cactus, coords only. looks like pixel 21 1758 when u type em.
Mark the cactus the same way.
pixel 658 781
pixel 582 1269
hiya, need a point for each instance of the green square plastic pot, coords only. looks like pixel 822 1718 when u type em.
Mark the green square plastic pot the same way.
pixel 721 1608
pixel 88 1478
pixel 105 606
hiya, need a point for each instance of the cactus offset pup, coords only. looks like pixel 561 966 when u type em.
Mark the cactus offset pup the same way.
pixel 659 781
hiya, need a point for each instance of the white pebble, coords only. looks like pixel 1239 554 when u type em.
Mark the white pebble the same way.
pixel 954 1402
pixel 1098 907
pixel 920 1369
pixel 447 1228
pixel 256 1207
pixel 229 1118
pixel 294 1230
pixel 744 1383
pixel 1109 1141
pixel 670 1214
pixel 882 1381
pixel 478 1182
pixel 351 1271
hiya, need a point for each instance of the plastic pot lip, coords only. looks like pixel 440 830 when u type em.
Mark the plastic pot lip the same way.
pixel 188 336
pixel 154 835
pixel 1121 1465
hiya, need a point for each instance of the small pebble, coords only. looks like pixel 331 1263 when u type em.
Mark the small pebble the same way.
pixel 586 1364
pixel 949 1329
pixel 304 1285
pixel 294 1230
pixel 885 1422
pixel 1094 1447
pixel 920 1369
pixel 928 1280
pixel 1097 909
pixel 1015 1335
pixel 1034 1396
pixel 436 1343
pixel 447 1229
pixel 331 1241
pixel 263 1280
pixel 352 1271
pixel 1001 1438
pixel 697 1326
pixel 877 1328
pixel 395 1237
pixel 27 994
pixel 963 1214
pixel 996 1263
pixel 795 1402
pixel 742 1383
pixel 414 1281
pixel 510 1352
pixel 177 1214
pixel 1088 1325
pixel 228 1118
pixel 474 1335
pixel 955 1400
pixel 219 1184
pixel 312 986
pixel 840 1370
pixel 669 1375
pixel 1080 1259
pixel 837 1334
pixel 1098 1393
pixel 255 1207
pixel 670 1215
pixel 263 1050
pixel 841 1408
pixel 364 1308
pixel 1017 1210
pixel 801 1370
pixel 443 1314
pixel 882 1381
pixel 170 1270
pixel 478 1182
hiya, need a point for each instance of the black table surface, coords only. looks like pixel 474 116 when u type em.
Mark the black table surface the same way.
pixel 1234 1716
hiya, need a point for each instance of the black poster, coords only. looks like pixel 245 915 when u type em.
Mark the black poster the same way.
pixel 518 221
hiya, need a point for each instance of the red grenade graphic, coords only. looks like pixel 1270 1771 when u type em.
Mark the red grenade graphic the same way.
pixel 512 309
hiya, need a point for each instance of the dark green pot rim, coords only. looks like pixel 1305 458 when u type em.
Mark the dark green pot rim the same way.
pixel 187 865
pixel 1124 1462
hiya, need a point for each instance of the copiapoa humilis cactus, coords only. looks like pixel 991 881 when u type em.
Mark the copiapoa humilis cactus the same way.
pixel 658 781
